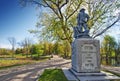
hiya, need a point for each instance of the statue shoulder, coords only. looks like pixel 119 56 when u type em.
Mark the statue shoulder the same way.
pixel 86 14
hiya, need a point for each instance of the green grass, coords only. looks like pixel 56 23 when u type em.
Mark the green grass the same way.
pixel 53 75
pixel 10 63
pixel 5 67
pixel 41 57
pixel 7 61
pixel 15 56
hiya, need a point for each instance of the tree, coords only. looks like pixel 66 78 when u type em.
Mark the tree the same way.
pixel 45 48
pixel 59 48
pixel 102 15
pixel 12 41
pixel 61 17
pixel 117 53
pixel 4 51
pixel 56 48
pixel 48 48
pixel 18 51
pixel 37 49
pixel 67 49
pixel 26 44
pixel 108 46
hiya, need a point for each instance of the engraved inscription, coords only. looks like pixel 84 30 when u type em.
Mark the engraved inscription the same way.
pixel 89 61
pixel 88 48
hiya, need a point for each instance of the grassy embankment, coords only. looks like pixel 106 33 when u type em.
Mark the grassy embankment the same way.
pixel 7 61
pixel 10 63
pixel 52 75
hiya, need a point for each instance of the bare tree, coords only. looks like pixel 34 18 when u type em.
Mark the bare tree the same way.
pixel 26 43
pixel 12 41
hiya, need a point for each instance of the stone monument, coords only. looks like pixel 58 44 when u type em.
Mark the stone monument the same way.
pixel 86 54
pixel 85 50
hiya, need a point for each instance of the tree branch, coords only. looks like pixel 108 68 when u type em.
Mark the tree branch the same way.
pixel 74 10
pixel 107 27
pixel 52 9
pixel 40 4
pixel 66 1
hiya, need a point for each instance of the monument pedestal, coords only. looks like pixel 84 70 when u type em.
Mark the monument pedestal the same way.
pixel 85 55
pixel 72 75
pixel 86 62
pixel 100 76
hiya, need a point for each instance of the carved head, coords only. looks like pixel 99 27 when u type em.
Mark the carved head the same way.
pixel 82 10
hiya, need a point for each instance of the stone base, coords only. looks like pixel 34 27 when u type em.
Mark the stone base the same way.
pixel 88 74
pixel 86 55
pixel 102 76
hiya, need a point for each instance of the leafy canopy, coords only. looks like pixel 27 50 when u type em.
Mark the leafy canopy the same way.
pixel 58 21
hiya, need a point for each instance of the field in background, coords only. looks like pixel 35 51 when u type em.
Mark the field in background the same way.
pixel 7 61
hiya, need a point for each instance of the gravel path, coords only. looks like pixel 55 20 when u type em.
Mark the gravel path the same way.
pixel 31 72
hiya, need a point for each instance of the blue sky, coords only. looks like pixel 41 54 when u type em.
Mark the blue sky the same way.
pixel 15 21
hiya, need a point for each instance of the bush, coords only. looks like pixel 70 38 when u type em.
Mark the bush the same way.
pixel 41 57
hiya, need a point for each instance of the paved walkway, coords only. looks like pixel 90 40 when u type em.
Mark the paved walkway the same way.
pixel 31 72
pixel 112 69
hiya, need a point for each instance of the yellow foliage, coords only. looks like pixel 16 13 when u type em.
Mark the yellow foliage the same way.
pixel 4 63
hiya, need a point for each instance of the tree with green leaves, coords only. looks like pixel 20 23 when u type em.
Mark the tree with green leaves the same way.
pixel 56 48
pixel 60 18
pixel 117 53
pixel 108 45
pixel 37 49
pixel 48 48
pixel 67 49
pixel 18 51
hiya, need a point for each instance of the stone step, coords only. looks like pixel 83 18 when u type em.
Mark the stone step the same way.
pixel 102 76
pixel 69 75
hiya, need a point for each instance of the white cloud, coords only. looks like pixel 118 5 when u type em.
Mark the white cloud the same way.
pixel 5 46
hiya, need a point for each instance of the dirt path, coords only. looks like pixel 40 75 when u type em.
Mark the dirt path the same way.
pixel 31 72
